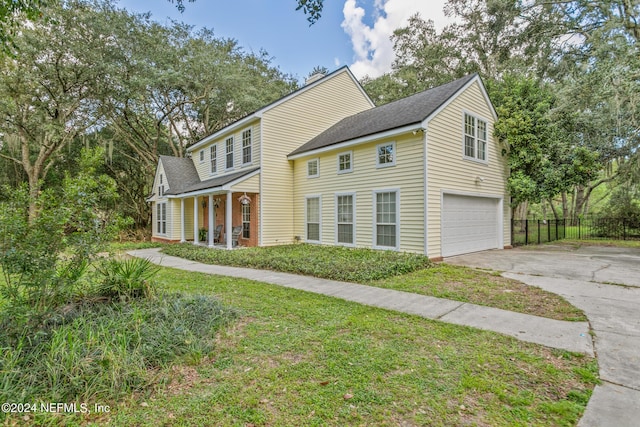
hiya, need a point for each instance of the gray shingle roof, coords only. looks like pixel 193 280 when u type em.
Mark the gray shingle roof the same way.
pixel 219 181
pixel 411 110
pixel 180 173
pixel 182 176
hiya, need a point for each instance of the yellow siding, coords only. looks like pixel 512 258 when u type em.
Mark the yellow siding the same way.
pixel 251 185
pixel 448 171
pixel 204 167
pixel 287 126
pixel 407 176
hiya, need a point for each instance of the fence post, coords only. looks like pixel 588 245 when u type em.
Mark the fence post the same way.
pixel 557 230
pixel 624 229
pixel 526 232
pixel 579 230
pixel 548 230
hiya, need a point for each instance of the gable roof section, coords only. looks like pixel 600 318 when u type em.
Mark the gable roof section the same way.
pixel 258 113
pixel 180 173
pixel 412 110
pixel 182 177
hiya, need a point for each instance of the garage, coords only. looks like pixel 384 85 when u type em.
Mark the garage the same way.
pixel 469 224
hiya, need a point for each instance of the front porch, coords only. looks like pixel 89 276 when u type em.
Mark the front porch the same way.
pixel 221 220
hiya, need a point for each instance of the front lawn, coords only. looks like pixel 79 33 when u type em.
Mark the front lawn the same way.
pixel 394 270
pixel 296 358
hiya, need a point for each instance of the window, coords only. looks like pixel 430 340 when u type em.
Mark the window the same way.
pixel 313 168
pixel 246 221
pixel 161 188
pixel 162 218
pixel 344 219
pixel 386 155
pixel 229 151
pixel 246 147
pixel 345 162
pixel 313 219
pixel 386 219
pixel 475 138
pixel 213 153
pixel 201 156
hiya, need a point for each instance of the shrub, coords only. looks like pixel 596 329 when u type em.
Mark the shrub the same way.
pixel 126 279
pixel 104 351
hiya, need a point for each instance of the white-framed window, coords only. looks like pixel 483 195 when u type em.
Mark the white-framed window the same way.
pixel 345 229
pixel 161 227
pixel 386 154
pixel 246 147
pixel 246 221
pixel 345 162
pixel 229 153
pixel 313 225
pixel 475 138
pixel 313 168
pixel 201 156
pixel 213 154
pixel 161 187
pixel 386 219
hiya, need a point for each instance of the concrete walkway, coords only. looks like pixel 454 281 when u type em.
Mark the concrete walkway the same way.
pixel 571 336
pixel 581 276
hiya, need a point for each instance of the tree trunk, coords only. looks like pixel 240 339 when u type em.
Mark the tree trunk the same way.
pixel 553 209
pixel 565 205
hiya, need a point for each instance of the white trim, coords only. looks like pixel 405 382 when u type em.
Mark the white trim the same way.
pixel 211 147
pixel 394 154
pixel 306 198
pixel 476 118
pixel 361 140
pixel 226 153
pixel 317 160
pixel 258 114
pixel 350 153
pixel 259 204
pixel 483 90
pixel 499 206
pixel 182 223
pixel 374 230
pixel 426 193
pixel 353 218
pixel 250 128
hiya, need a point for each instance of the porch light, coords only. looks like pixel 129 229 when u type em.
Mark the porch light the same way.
pixel 244 199
pixel 204 203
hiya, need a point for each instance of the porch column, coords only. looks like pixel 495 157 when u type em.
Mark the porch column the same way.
pixel 212 225
pixel 182 236
pixel 227 220
pixel 195 220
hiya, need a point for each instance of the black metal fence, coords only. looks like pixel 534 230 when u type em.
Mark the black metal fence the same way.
pixel 536 231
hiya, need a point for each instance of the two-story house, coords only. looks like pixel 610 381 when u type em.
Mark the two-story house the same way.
pixel 324 165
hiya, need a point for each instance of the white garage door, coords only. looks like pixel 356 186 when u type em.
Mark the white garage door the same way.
pixel 469 224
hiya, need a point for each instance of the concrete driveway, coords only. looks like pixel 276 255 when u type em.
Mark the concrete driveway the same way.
pixel 605 283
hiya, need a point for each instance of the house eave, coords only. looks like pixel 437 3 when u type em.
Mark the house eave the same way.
pixel 361 140
pixel 217 189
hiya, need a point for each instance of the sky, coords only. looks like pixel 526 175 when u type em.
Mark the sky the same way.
pixel 350 32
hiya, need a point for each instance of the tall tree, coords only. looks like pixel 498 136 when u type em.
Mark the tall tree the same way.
pixel 48 93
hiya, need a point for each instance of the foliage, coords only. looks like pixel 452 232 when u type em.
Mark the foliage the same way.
pixel 44 257
pixel 543 157
pixel 329 262
pixel 107 351
pixel 298 358
pixel 126 279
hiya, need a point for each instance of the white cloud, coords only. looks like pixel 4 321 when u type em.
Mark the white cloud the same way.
pixel 372 46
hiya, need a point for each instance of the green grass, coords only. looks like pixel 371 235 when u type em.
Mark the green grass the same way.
pixel 296 358
pixel 483 288
pixel 394 270
pixel 329 262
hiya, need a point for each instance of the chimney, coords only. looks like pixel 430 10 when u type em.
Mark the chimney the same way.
pixel 313 77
